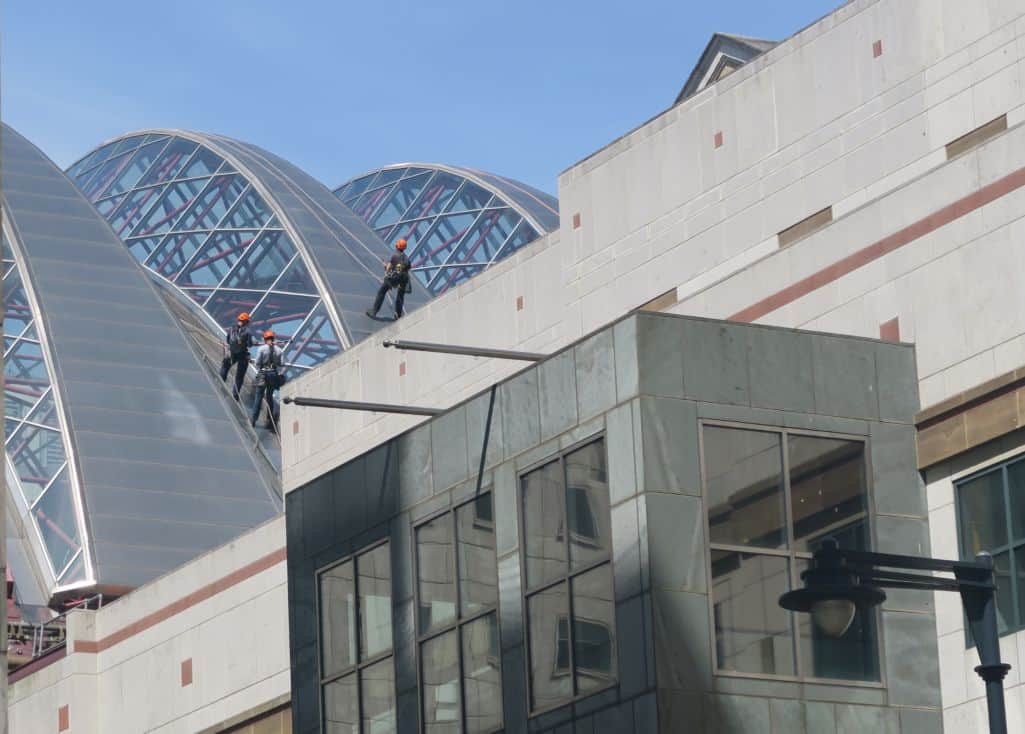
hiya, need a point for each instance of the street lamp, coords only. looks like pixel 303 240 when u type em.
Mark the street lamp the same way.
pixel 840 581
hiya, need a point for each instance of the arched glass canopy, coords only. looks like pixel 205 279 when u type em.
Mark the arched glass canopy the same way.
pixel 456 221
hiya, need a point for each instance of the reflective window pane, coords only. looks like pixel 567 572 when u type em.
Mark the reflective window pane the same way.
pixel 378 698
pixel 983 525
pixel 368 203
pixel 442 240
pixel 827 491
pixel 744 484
pixel 341 706
pixel 143 247
pixel 219 253
pixel 17 314
pixel 544 524
pixel 1006 619
pixel 283 313
pixel 140 162
pixel 174 252
pixel 203 163
pixel 587 503
pixel 436 581
pixel 1016 491
pixel 55 516
pixel 440 672
pixel 357 187
pixel 337 619
pixel 225 305
pixel 435 196
pixel 1019 581
pixel 315 342
pixel 374 569
pixel 251 211
pixel 170 162
pixel 594 629
pixel 45 412
pixel 482 675
pixel 132 209
pixel 175 200
pixel 212 204
pixel 296 278
pixel 469 197
pixel 37 454
pixel 752 632
pixel 550 676
pixel 104 175
pixel 478 574
pixel 852 656
pixel 400 199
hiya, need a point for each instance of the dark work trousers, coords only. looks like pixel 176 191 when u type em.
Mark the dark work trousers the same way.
pixel 400 297
pixel 264 394
pixel 241 363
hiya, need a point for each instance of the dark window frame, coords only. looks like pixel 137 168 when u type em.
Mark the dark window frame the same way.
pixel 565 579
pixel 1010 547
pixel 792 556
pixel 359 666
pixel 458 621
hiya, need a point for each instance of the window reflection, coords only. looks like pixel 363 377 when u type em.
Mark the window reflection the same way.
pixel 478 582
pixel 378 698
pixel 587 503
pixel 550 680
pixel 337 619
pixel 375 601
pixel 482 676
pixel 827 490
pixel 594 648
pixel 543 522
pixel 435 564
pixel 440 661
pixel 341 714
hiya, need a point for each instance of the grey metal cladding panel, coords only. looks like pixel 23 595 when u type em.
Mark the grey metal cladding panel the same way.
pixel 120 344
pixel 179 479
pixel 121 566
pixel 141 400
pixel 97 276
pixel 172 381
pixel 75 229
pixel 220 509
pixel 172 427
pixel 154 533
pixel 153 455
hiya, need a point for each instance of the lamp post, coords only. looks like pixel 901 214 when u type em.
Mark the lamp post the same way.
pixel 840 581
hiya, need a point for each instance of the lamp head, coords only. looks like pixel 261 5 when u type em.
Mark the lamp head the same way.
pixel 832 591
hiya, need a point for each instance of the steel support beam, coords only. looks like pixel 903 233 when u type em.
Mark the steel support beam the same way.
pixel 466 351
pixel 370 407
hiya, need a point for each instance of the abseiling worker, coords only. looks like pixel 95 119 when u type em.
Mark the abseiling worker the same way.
pixel 396 275
pixel 239 341
pixel 269 377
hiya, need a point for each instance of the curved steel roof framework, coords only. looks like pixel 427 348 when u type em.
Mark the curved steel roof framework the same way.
pixel 124 458
pixel 457 221
pixel 234 228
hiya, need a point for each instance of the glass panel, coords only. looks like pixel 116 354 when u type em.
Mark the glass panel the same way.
pixel 435 196
pixel 443 238
pixel 401 198
pixel 92 159
pixel 263 262
pixel 470 196
pixel 436 578
pixel 482 675
pixel 587 503
pixel 45 412
pixel 55 515
pixel 24 365
pixel 37 455
pixel 369 202
pixel 1016 489
pixel 106 206
pixel 744 480
pixel 374 583
pixel 104 175
pixel 75 572
pixel 170 206
pixel 524 235
pixel 1019 583
pixel 133 207
pixel 440 670
pixel 250 211
pixel 983 525
pixel 752 631
pixel 594 629
pixel 483 242
pixel 478 574
pixel 315 342
pixel 20 397
pixel 203 163
pixel 282 313
pixel 170 162
pixel 378 698
pixel 386 177
pixel 550 680
pixel 175 251
pixel 127 143
pixel 213 203
pixel 827 491
pixel 199 295
pixel 412 233
pixel 10 426
pixel 296 279
pixel 337 619
pixel 1005 594
pixel 220 252
pixel 141 160
pixel 543 524
pixel 225 306
pixel 853 656
pixel 17 314
pixel 341 707
pixel 143 247
pixel 357 187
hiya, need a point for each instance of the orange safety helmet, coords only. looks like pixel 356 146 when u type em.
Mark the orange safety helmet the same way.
pixel 268 334
pixel 243 316
pixel 400 245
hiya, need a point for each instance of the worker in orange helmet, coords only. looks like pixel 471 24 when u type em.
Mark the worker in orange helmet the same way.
pixel 396 275
pixel 270 375
pixel 238 341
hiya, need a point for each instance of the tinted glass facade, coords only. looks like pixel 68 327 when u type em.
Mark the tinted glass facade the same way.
pixel 456 222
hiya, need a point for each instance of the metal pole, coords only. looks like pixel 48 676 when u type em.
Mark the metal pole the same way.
pixel 980 606
pixel 466 351
pixel 372 407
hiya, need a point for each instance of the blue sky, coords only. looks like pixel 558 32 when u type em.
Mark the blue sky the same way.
pixel 338 87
